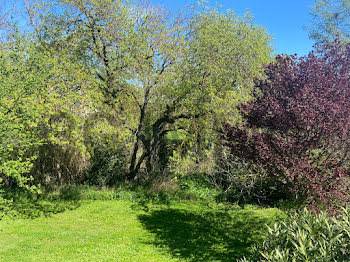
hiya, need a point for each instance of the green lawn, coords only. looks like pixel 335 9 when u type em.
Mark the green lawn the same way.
pixel 122 231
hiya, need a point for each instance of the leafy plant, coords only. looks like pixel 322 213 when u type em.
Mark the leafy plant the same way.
pixel 306 236
pixel 107 168
pixel 297 129
pixel 240 184
pixel 330 19
pixel 5 206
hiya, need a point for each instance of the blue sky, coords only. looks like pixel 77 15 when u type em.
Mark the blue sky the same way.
pixel 283 19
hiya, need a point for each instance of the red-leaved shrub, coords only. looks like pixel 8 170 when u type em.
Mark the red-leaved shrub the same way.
pixel 297 127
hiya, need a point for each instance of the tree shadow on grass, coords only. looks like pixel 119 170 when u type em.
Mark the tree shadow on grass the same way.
pixel 26 204
pixel 35 209
pixel 205 236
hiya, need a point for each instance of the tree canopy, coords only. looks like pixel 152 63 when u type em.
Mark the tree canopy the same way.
pixel 119 76
pixel 296 130
pixel 330 20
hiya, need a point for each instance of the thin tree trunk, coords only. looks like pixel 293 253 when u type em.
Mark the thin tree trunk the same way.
pixel 133 170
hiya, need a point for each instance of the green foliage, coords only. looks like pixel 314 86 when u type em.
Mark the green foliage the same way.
pixel 91 193
pixel 5 206
pixel 218 80
pixel 306 236
pixel 94 90
pixel 238 183
pixel 41 112
pixel 228 53
pixel 22 89
pixel 108 167
pixel 157 72
pixel 196 187
pixel 330 19
pixel 70 192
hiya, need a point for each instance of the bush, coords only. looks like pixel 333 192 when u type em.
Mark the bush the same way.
pixel 91 193
pixel 108 167
pixel 59 163
pixel 242 185
pixel 297 128
pixel 5 206
pixel 195 187
pixel 70 192
pixel 306 236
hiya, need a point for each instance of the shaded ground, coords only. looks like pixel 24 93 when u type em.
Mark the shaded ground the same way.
pixel 207 235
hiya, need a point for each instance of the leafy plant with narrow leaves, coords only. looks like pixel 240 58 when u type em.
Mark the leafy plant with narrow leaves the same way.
pixel 306 236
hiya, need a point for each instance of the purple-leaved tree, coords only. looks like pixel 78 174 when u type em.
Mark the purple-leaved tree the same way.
pixel 297 128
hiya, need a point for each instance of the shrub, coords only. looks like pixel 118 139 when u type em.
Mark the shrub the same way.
pixel 108 167
pixel 196 187
pixel 70 192
pixel 306 236
pixel 297 129
pixel 5 206
pixel 95 193
pixel 242 185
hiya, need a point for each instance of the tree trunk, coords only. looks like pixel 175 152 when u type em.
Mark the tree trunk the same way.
pixel 134 168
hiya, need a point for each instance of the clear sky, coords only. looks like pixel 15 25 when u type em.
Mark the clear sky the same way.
pixel 284 19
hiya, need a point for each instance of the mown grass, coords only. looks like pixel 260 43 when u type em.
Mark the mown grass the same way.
pixel 194 233
pixel 96 231
pixel 124 230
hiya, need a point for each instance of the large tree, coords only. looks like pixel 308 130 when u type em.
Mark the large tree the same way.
pixel 157 72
